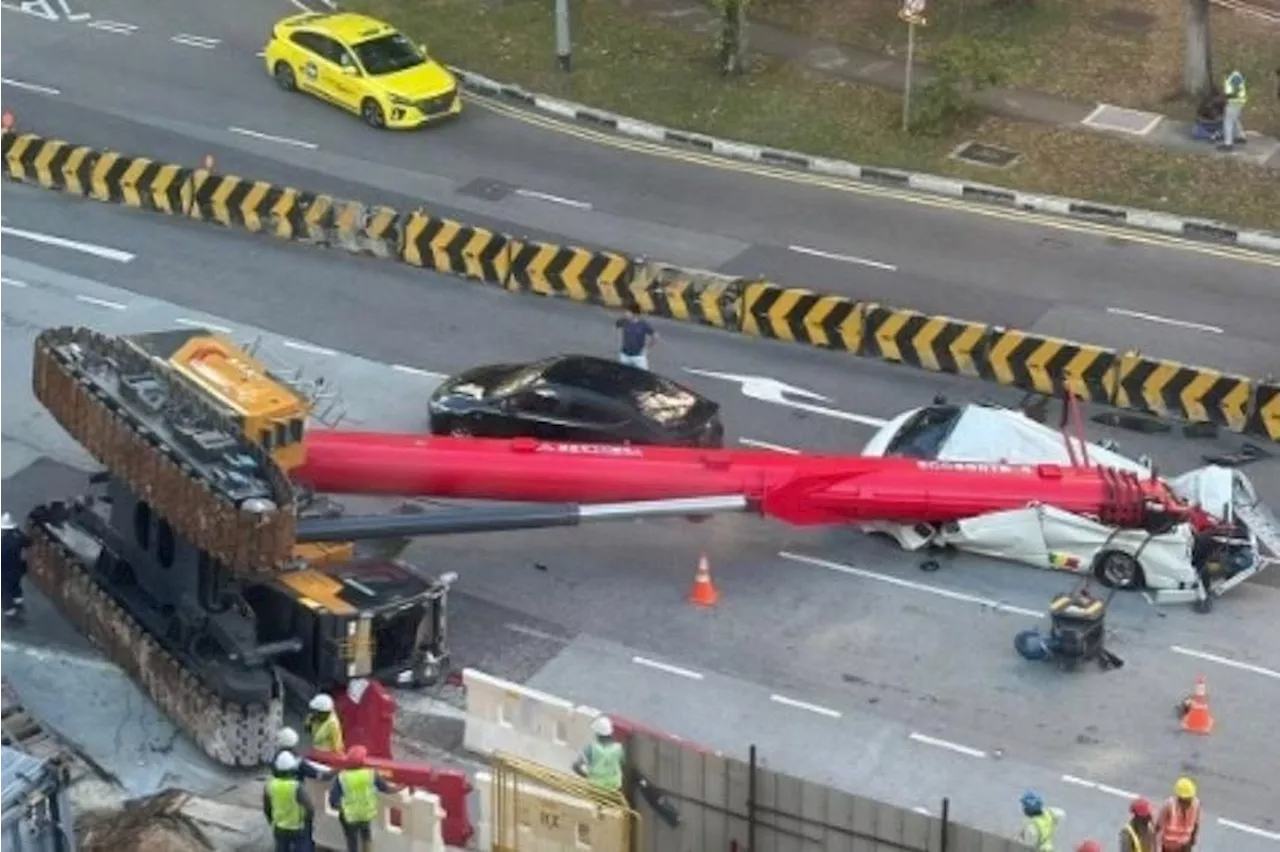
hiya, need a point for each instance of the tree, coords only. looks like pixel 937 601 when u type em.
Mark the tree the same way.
pixel 731 39
pixel 1197 62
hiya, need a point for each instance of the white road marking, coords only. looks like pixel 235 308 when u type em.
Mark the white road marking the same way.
pixel 1198 326
pixel 102 303
pixel 909 584
pixel 190 323
pixel 308 347
pixel 1226 661
pixel 417 371
pixel 766 389
pixel 554 199
pixel 947 744
pixel 804 705
pixel 283 140
pixel 1249 829
pixel 535 633
pixel 13 282
pixel 765 445
pixel 43 11
pixel 195 41
pixel 73 245
pixel 45 655
pixel 260 54
pixel 1101 788
pixel 112 27
pixel 30 87
pixel 666 667
pixel 843 258
pixel 303 7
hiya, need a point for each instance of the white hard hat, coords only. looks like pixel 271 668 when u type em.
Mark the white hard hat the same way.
pixel 286 762
pixel 601 726
pixel 287 738
pixel 322 704
pixel 7 522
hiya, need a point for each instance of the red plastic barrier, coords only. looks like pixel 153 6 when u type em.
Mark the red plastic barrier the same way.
pixel 368 714
pixel 451 785
pixel 624 729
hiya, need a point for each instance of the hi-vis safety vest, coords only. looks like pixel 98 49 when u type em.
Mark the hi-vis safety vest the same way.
pixel 1178 823
pixel 1235 88
pixel 327 736
pixel 1046 825
pixel 286 813
pixel 1137 841
pixel 604 765
pixel 359 795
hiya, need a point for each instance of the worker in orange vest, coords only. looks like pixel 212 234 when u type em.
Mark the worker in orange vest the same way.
pixel 1178 826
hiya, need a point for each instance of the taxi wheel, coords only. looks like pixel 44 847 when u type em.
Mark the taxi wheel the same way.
pixel 371 112
pixel 285 77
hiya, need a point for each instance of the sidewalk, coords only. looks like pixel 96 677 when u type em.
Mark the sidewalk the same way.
pixel 889 72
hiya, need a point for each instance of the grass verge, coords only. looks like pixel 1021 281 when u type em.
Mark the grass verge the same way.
pixel 631 63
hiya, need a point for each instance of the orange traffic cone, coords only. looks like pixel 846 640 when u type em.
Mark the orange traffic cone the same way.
pixel 704 592
pixel 1196 716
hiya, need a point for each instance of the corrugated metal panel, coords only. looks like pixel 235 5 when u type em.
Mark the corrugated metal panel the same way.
pixel 19 774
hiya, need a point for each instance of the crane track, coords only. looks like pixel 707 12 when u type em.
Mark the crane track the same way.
pixel 231 734
pixel 74 369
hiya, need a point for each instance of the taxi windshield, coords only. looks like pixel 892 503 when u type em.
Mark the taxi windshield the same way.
pixel 388 54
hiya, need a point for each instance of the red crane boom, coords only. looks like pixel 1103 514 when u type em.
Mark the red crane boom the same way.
pixel 798 489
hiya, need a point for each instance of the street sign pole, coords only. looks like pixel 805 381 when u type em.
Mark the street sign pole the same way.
pixel 564 50
pixel 912 14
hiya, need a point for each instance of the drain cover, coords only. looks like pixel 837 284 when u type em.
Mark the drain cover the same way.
pixel 1121 120
pixel 986 155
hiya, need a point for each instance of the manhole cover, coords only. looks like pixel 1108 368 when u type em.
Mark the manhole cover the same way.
pixel 1126 21
pixel 486 188
pixel 1119 119
pixel 986 155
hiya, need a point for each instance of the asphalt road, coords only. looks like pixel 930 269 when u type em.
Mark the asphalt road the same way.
pixel 830 651
pixel 121 81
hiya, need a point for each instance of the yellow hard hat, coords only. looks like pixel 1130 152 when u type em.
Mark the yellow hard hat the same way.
pixel 1185 788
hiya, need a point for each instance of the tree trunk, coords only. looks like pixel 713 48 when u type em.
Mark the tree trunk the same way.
pixel 733 37
pixel 1197 63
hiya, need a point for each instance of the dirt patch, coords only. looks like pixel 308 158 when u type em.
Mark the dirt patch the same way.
pixel 152 824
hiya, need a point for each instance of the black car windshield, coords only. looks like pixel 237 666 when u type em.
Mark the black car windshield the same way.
pixel 923 436
pixel 388 54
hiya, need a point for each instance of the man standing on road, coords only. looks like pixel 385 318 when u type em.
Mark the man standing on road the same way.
pixel 287 806
pixel 1041 823
pixel 354 795
pixel 1237 96
pixel 13 567
pixel 1139 833
pixel 637 336
pixel 323 725
pixel 1178 825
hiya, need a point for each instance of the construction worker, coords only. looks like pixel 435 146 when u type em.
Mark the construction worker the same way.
pixel 1139 833
pixel 287 806
pixel 601 761
pixel 323 725
pixel 287 743
pixel 14 566
pixel 1178 826
pixel 1237 96
pixel 1041 823
pixel 1089 846
pixel 354 795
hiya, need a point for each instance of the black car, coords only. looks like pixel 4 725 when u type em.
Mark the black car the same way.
pixel 574 398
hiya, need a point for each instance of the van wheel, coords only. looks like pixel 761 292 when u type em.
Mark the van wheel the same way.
pixel 371 112
pixel 1118 570
pixel 285 77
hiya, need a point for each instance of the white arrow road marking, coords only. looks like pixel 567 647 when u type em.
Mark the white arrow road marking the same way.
pixel 60 242
pixel 766 389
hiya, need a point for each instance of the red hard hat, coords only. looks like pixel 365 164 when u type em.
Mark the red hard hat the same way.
pixel 1090 846
pixel 358 754
pixel 1140 808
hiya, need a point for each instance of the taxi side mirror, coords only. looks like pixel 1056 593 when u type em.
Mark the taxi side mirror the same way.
pixel 422 48
pixel 350 71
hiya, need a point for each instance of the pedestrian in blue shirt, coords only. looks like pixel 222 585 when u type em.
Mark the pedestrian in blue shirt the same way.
pixel 637 336
pixel 15 567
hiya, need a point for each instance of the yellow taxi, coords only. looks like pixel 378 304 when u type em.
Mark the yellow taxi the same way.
pixel 361 65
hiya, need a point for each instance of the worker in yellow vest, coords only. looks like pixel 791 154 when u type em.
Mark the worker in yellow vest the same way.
pixel 1041 823
pixel 354 795
pixel 1237 94
pixel 287 806
pixel 1178 825
pixel 1139 833
pixel 323 725
pixel 601 761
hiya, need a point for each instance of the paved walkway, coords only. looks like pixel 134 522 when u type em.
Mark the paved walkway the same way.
pixel 888 72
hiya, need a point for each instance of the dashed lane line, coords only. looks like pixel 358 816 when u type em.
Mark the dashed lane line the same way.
pixel 1100 787
pixel 190 323
pixel 417 371
pixel 268 137
pixel 102 303
pixel 667 667
pixel 925 739
pixel 805 705
pixel 74 245
pixel 117 27
pixel 1226 661
pixel 1249 829
pixel 195 41
pixel 535 633
pixel 30 87
pixel 553 199
pixel 843 258
pixel 765 445
pixel 308 347
pixel 13 282
pixel 997 606
pixel 1196 326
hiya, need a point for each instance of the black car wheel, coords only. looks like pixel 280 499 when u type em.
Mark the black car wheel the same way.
pixel 371 112
pixel 285 77
pixel 1118 570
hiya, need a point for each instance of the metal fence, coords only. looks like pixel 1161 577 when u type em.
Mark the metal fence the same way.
pixel 729 804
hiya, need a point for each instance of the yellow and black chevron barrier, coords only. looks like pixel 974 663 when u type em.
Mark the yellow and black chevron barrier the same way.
pixel 1050 366
pixel 583 275
pixel 1193 394
pixel 457 249
pixel 937 344
pixel 802 316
